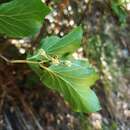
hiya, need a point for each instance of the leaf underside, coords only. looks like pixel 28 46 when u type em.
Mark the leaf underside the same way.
pixel 72 78
pixel 73 82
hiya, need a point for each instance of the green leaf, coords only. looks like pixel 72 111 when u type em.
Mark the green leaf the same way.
pixel 72 79
pixel 119 11
pixel 20 18
pixel 58 46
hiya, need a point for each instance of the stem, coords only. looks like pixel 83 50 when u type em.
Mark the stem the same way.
pixel 23 61
pixel 4 58
pixel 20 61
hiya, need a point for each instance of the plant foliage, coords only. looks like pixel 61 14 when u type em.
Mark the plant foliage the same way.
pixel 119 10
pixel 72 78
pixel 20 18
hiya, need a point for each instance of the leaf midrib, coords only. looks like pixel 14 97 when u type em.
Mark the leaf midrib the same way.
pixel 66 82
pixel 19 14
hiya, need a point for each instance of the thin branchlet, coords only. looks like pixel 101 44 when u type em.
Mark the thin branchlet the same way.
pixel 20 61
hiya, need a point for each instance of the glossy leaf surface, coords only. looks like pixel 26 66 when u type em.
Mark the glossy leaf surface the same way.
pixel 58 46
pixel 20 18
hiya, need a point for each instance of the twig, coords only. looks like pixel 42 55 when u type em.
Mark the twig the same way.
pixel 4 58
pixel 20 61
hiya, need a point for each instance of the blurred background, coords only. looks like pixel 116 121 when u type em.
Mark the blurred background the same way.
pixel 106 44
